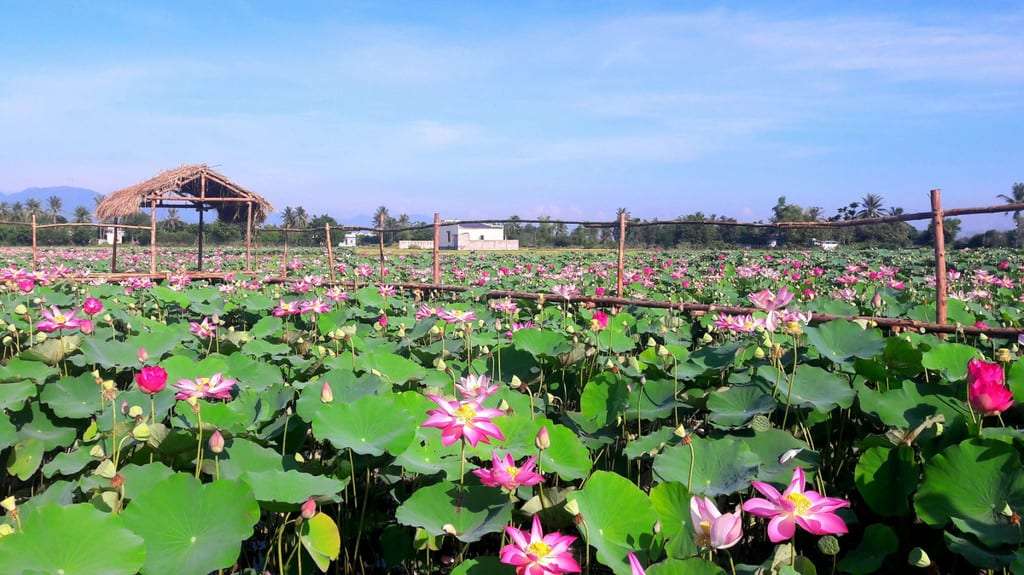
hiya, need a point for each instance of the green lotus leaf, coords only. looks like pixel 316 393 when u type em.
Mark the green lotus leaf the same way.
pixel 735 406
pixel 291 486
pixel 73 397
pixel 370 425
pixel 321 539
pixel 721 466
pixel 608 526
pixel 692 566
pixel 879 542
pixel 840 340
pixel 813 387
pixel 950 359
pixel 483 566
pixel 886 478
pixel 541 343
pixel 471 513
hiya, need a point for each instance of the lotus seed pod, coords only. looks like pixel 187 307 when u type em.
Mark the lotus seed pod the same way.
pixel 983 337
pixel 37 301
pixel 20 309
pixel 441 365
pixel 760 424
pixel 8 340
pixel 663 351
pixel 41 337
pixel 570 329
pixel 134 411
pixel 1003 355
pixel 759 352
pixel 107 318
pixel 918 558
pixel 434 330
pixel 828 545
pixel 516 383
pixel 12 328
pixel 141 432
pixel 9 503
pixel 681 432
pixel 706 338
pixel 572 507
pixel 97 451
pixel 106 469
pixel 651 342
pixel 449 529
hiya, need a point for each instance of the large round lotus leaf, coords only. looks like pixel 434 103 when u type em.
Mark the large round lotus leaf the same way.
pixel 72 540
pixel 483 566
pixel 840 340
pixel 908 405
pixel 721 466
pixel 541 343
pixel 652 400
pixel 886 477
pixel 652 443
pixel 736 406
pixel 603 400
pixel 344 385
pixel 52 351
pixel 8 433
pixel 13 395
pixel 671 501
pixel 979 555
pixel 813 387
pixel 321 539
pixel 73 397
pixel 20 370
pixel 617 518
pixel 191 528
pixel 769 446
pixel 879 542
pixel 370 425
pixel 692 566
pixel 291 486
pixel 108 354
pixel 390 367
pixel 973 482
pixel 242 456
pixel 950 359
pixel 567 456
pixel 472 512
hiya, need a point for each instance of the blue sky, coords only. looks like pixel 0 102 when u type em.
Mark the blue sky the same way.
pixel 490 109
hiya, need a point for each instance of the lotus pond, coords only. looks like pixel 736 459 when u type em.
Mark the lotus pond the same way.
pixel 250 426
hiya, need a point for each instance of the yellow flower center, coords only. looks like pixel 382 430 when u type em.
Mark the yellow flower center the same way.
pixel 465 413
pixel 203 382
pixel 705 526
pixel 539 549
pixel 800 501
pixel 60 318
pixel 512 470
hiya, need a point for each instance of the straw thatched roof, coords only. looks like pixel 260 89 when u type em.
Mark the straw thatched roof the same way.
pixel 182 187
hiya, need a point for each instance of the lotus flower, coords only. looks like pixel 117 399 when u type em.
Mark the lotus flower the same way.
pixel 285 309
pixel 54 319
pixel 635 568
pixel 216 387
pixel 463 419
pixel 425 311
pixel 205 329
pixel 475 387
pixel 769 301
pixel 92 306
pixel 535 553
pixel 456 316
pixel 713 529
pixel 796 506
pixel 599 321
pixel 151 379
pixel 986 389
pixel 506 474
pixel 26 285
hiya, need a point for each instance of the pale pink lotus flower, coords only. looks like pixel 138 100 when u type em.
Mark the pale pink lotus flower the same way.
pixel 738 323
pixel 635 568
pixel 54 319
pixel 205 329
pixel 425 311
pixel 456 316
pixel 215 387
pixel 796 506
pixel 534 553
pixel 565 291
pixel 713 529
pixel 504 306
pixel 516 326
pixel 316 306
pixel 475 387
pixel 506 474
pixel 386 290
pixel 467 420
pixel 336 294
pixel 286 308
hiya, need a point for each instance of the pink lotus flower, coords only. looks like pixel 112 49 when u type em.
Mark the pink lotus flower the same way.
pixel 456 316
pixel 565 291
pixel 26 285
pixel 635 568
pixel 308 509
pixel 216 387
pixel 315 306
pixel 382 321
pixel 142 354
pixel 54 320
pixel 151 379
pixel 425 311
pixel 599 321
pixel 92 306
pixel 475 387
pixel 285 309
pixel 738 323
pixel 205 329
pixel 463 419
pixel 986 389
pixel 795 506
pixel 86 326
pixel 386 290
pixel 535 553
pixel 506 474
pixel 769 301
pixel 713 529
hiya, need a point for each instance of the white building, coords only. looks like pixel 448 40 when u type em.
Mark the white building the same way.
pixel 352 239
pixel 825 244
pixel 108 236
pixel 456 236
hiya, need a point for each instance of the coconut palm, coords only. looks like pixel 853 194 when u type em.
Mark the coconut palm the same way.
pixel 288 217
pixel 381 216
pixel 55 205
pixel 1017 197
pixel 172 220
pixel 870 206
pixel 82 215
pixel 33 208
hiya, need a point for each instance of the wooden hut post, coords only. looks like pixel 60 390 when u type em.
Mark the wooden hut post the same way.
pixel 330 249
pixel 380 244
pixel 940 257
pixel 35 246
pixel 202 196
pixel 152 237
pixel 284 256
pixel 113 249
pixel 248 236
pixel 622 255
pixel 437 249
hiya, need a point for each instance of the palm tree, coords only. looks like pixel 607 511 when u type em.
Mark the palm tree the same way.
pixel 1017 197
pixel 301 217
pixel 82 215
pixel 172 220
pixel 288 217
pixel 870 206
pixel 33 208
pixel 381 216
pixel 18 211
pixel 55 205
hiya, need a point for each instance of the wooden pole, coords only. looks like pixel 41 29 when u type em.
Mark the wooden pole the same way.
pixel 330 249
pixel 35 246
pixel 940 257
pixel 248 237
pixel 202 232
pixel 437 249
pixel 284 256
pixel 380 244
pixel 622 255
pixel 152 237
pixel 113 250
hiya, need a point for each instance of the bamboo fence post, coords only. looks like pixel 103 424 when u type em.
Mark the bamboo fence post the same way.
pixel 940 257
pixel 284 256
pixel 622 255
pixel 35 248
pixel 330 249
pixel 152 237
pixel 248 237
pixel 437 248
pixel 380 244
pixel 113 248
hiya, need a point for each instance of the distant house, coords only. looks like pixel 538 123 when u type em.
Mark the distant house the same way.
pixel 826 245
pixel 108 236
pixel 458 236
pixel 351 239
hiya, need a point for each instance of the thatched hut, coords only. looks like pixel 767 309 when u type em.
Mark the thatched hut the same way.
pixel 196 187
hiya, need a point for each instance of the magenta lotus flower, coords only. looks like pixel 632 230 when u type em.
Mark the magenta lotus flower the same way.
pixel 216 387
pixel 92 306
pixel 456 316
pixel 285 309
pixel 316 306
pixel 506 474
pixel 151 379
pixel 535 553
pixel 599 321
pixel 463 420
pixel 769 301
pixel 54 319
pixel 425 311
pixel 205 329
pixel 796 506
pixel 475 387
pixel 635 568
pixel 986 389
pixel 26 285
pixel 713 529
pixel 738 323
pixel 308 509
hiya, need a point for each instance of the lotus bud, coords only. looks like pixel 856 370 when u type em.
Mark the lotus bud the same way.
pixel 41 337
pixel 516 383
pixel 706 338
pixel 1003 355
pixel 572 507
pixel 308 508
pixel 9 503
pixel 216 442
pixel 543 439
pixel 142 354
pixel 20 309
pixel 108 318
pixel 326 393
pixel 449 529
pixel 828 545
pixel 657 527
pixel 918 558
pixel 663 351
pixel 97 451
pixel 141 432
pixel 760 424
pixel 5 530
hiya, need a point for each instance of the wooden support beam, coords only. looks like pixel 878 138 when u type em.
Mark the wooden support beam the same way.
pixel 152 237
pixel 330 249
pixel 248 237
pixel 940 257
pixel 35 247
pixel 621 267
pixel 437 249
